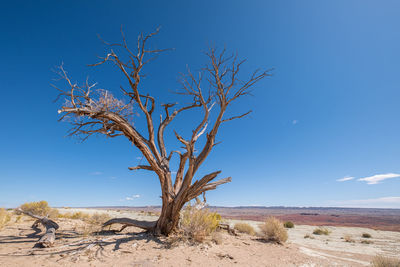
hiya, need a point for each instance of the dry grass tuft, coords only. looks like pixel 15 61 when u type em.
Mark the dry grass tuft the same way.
pixel 4 217
pixel 40 208
pixel 273 230
pixel 197 224
pixel 98 218
pixel 78 215
pixel 321 231
pixel 245 228
pixel 93 223
pixel 382 261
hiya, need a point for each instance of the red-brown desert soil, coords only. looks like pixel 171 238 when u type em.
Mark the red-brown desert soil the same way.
pixel 378 219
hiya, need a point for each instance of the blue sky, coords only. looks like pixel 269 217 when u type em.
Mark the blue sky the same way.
pixel 330 111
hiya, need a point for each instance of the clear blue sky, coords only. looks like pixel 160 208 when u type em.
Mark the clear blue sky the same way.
pixel 330 111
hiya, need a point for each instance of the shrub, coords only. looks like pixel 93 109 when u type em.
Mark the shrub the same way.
pixel 321 231
pixel 40 208
pixel 366 235
pixel 273 230
pixel 382 261
pixel 4 217
pixel 245 228
pixel 348 238
pixel 198 223
pixel 288 224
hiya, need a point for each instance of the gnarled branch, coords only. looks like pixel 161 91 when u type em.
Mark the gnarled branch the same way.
pixel 47 240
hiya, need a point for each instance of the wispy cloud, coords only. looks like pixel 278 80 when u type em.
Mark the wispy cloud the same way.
pixel 382 202
pixel 132 197
pixel 346 178
pixel 376 179
pixel 96 173
pixel 294 122
pixel 113 177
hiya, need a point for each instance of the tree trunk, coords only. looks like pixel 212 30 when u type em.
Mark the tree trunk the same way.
pixel 166 223
pixel 169 217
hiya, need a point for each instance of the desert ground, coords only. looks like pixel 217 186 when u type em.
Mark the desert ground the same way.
pixel 76 246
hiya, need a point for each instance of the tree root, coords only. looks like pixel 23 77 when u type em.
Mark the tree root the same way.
pixel 146 225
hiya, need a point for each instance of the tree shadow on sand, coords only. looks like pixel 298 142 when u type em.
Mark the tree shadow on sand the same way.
pixel 96 243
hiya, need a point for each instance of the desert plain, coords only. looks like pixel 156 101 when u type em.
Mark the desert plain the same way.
pixel 76 245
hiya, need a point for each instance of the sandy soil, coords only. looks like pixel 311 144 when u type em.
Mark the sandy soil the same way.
pixel 134 248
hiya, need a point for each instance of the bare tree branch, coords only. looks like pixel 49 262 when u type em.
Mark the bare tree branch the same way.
pixel 141 167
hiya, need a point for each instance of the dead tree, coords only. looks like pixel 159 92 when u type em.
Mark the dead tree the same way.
pixel 94 111
pixel 47 240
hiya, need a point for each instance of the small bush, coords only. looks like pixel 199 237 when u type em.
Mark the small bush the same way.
pixel 40 208
pixel 288 224
pixel 4 217
pixel 245 228
pixel 273 230
pixel 382 261
pixel 197 224
pixel 321 231
pixel 348 238
pixel 366 235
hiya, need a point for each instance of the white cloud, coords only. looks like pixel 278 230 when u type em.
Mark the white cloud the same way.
pixel 295 122
pixel 382 202
pixel 113 177
pixel 132 197
pixel 346 178
pixel 96 173
pixel 139 157
pixel 375 179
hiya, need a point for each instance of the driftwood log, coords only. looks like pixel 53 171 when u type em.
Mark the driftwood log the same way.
pixel 47 240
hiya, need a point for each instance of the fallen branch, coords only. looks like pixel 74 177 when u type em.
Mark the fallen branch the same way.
pixel 47 240
pixel 146 225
